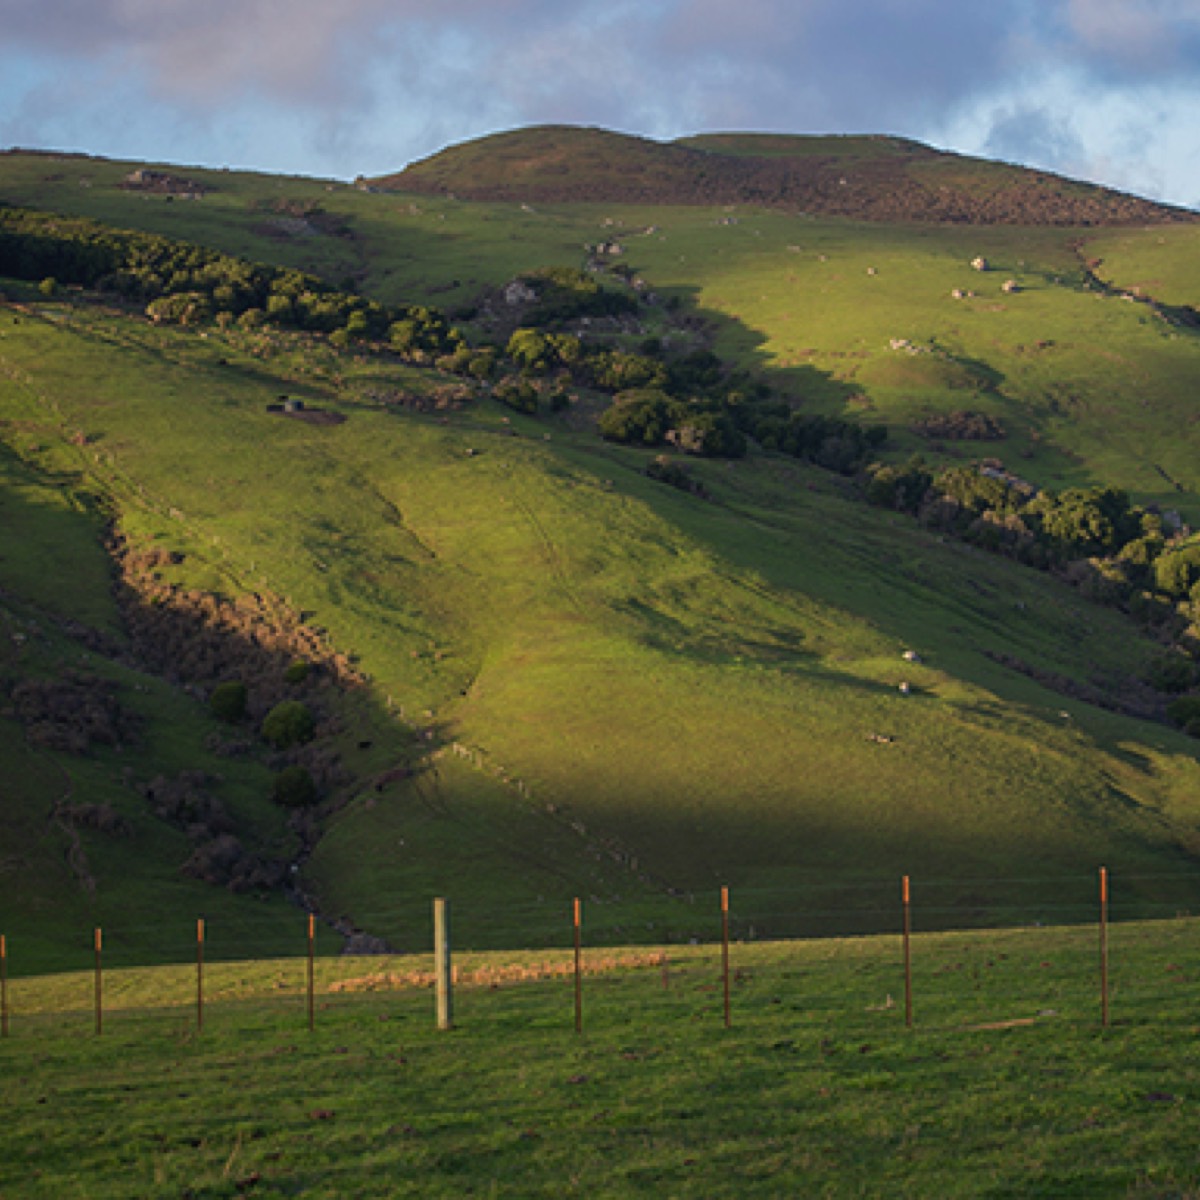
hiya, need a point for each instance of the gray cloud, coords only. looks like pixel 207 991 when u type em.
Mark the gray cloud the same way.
pixel 1136 39
pixel 358 76
pixel 1034 133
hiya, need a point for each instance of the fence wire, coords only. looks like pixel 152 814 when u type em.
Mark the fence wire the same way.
pixel 1070 958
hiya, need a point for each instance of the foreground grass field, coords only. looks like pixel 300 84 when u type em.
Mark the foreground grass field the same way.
pixel 1006 1086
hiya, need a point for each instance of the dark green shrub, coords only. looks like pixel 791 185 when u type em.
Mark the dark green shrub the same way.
pixel 298 671
pixel 288 724
pixel 294 788
pixel 1178 569
pixel 228 701
pixel 518 394
pixel 640 417
pixel 901 488
pixel 1175 673
pixel 712 435
pixel 1185 712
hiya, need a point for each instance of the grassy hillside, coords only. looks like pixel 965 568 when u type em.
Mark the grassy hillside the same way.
pixel 577 680
pixel 872 178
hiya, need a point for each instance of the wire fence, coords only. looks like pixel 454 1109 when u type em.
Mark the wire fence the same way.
pixel 1086 958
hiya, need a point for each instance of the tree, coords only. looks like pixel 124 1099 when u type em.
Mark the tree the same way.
pixel 294 788
pixel 289 723
pixel 529 349
pixel 642 416
pixel 228 701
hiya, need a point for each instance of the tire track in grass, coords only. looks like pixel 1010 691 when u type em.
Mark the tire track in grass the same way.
pixel 550 555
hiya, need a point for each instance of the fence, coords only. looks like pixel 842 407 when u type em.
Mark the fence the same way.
pixel 945 978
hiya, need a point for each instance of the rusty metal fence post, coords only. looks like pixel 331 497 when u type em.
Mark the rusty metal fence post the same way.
pixel 200 975
pixel 311 990
pixel 3 986
pixel 725 949
pixel 578 967
pixel 906 898
pixel 1104 947
pixel 99 944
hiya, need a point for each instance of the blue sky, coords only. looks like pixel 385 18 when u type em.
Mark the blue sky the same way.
pixel 1105 90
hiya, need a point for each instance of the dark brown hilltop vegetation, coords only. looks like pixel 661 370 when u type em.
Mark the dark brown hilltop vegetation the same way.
pixel 870 178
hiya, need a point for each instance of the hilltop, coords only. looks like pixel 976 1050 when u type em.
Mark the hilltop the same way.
pixel 871 178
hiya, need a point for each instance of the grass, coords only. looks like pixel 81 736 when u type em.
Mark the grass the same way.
pixel 646 692
pixel 1006 1085
pixel 626 690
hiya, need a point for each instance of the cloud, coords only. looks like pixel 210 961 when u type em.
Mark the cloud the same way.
pixel 369 79
pixel 1137 39
pixel 1036 133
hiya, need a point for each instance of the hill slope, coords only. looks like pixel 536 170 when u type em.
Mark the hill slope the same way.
pixel 574 679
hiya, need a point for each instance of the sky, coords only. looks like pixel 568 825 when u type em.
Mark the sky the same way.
pixel 1103 90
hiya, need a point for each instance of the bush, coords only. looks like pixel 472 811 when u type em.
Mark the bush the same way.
pixel 961 426
pixel 1178 569
pixel 298 671
pixel 288 724
pixel 640 417
pixel 294 788
pixel 1174 673
pixel 228 701
pixel 901 488
pixel 1185 712
pixel 712 435
pixel 518 394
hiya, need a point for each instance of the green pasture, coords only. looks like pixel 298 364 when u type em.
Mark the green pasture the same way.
pixel 1006 1085
pixel 618 689
pixel 604 686
pixel 1092 388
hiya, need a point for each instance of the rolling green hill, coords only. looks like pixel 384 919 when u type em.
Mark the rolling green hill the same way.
pixel 873 178
pixel 537 671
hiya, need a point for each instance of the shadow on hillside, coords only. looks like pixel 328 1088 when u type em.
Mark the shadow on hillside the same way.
pixel 806 387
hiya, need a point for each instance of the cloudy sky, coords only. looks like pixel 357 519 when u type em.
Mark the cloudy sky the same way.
pixel 1107 90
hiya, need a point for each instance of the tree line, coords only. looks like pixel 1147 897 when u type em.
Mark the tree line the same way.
pixel 689 400
pixel 179 282
pixel 1132 557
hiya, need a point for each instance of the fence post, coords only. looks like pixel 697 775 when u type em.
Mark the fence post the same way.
pixel 3 986
pixel 578 968
pixel 441 953
pixel 1104 947
pixel 99 984
pixel 908 997
pixel 200 975
pixel 725 949
pixel 311 1004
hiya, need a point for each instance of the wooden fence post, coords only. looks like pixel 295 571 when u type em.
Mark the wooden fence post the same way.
pixel 441 953
pixel 1104 947
pixel 578 968
pixel 908 996
pixel 725 949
